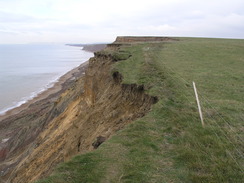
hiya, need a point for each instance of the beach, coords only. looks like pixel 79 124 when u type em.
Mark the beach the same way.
pixel 59 86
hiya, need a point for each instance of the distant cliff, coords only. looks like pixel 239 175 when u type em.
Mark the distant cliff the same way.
pixel 94 47
pixel 131 39
pixel 90 47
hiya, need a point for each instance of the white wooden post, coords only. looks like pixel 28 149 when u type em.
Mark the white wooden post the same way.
pixel 198 103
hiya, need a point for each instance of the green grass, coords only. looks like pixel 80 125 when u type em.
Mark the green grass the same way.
pixel 79 169
pixel 169 144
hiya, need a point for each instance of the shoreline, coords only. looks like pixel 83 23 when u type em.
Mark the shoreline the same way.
pixel 20 127
pixel 57 86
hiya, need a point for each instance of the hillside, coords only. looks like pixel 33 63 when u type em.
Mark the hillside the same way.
pixel 133 116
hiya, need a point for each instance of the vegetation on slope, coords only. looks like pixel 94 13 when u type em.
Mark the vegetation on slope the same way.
pixel 169 144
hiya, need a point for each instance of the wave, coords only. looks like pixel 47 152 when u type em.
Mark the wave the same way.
pixel 31 96
pixel 29 63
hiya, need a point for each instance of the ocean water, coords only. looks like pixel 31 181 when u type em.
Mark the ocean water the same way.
pixel 29 69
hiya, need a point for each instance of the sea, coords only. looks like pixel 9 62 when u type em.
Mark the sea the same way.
pixel 29 69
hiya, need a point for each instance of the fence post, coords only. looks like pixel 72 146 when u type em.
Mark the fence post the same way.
pixel 198 103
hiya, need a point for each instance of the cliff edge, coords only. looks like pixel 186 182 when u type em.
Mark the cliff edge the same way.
pixel 94 107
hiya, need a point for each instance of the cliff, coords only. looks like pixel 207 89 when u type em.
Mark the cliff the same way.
pixel 136 107
pixel 94 107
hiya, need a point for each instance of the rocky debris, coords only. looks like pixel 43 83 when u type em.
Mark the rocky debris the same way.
pixel 3 153
pixel 98 142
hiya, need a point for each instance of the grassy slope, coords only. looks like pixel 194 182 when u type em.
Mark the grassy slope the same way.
pixel 169 143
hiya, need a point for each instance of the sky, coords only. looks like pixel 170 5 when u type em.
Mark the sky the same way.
pixel 93 21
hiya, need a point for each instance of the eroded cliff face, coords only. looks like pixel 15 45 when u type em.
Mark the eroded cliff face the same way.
pixel 102 105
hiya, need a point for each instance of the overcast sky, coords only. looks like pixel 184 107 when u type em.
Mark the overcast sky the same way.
pixel 87 21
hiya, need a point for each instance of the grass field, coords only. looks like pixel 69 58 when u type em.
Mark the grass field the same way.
pixel 169 144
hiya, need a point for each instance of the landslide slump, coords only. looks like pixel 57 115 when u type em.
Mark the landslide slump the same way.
pixel 105 106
